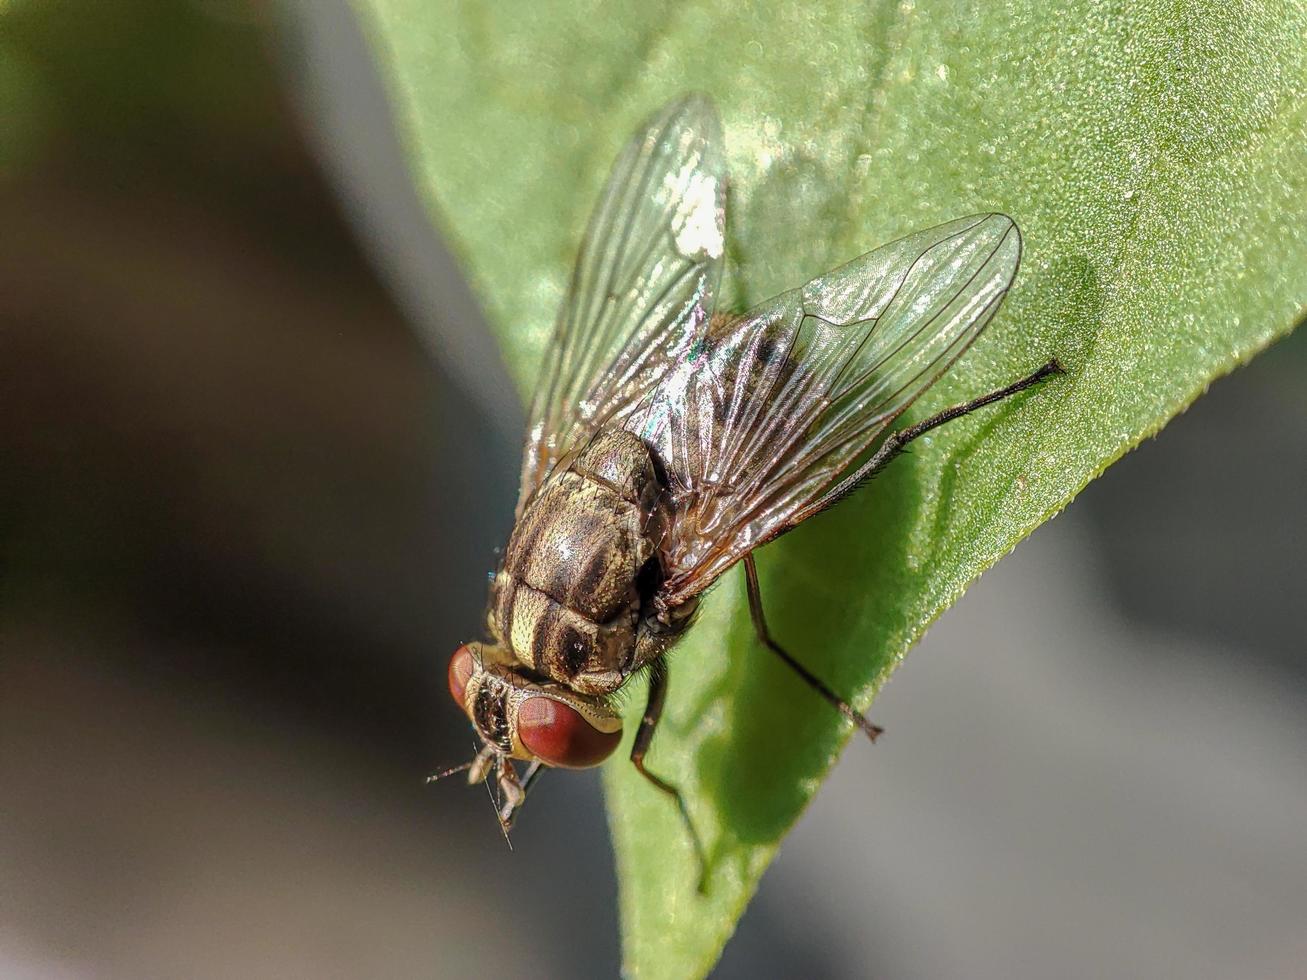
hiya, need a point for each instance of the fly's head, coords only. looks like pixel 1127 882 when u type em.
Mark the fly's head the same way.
pixel 519 716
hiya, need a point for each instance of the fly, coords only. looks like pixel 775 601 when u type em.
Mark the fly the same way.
pixel 668 441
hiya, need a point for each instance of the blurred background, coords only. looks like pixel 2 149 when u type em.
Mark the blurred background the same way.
pixel 256 452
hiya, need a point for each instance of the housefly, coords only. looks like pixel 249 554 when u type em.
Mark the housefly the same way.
pixel 668 440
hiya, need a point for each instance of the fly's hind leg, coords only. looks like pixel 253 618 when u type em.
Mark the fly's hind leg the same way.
pixel 896 441
pixel 891 447
pixel 811 679
pixel 644 735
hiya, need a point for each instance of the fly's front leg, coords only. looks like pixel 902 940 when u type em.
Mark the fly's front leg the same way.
pixel 653 711
pixel 510 812
pixel 811 679
pixel 510 788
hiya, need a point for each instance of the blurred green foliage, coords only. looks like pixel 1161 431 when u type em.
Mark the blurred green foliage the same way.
pixel 142 91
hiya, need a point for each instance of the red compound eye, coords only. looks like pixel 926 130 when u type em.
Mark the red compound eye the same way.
pixel 559 735
pixel 461 666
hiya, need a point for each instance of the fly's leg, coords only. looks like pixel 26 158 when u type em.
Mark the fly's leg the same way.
pixel 533 772
pixel 510 788
pixel 811 679
pixel 894 444
pixel 891 447
pixel 653 711
pixel 896 441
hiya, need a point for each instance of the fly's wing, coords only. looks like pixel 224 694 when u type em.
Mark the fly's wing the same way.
pixel 770 418
pixel 643 285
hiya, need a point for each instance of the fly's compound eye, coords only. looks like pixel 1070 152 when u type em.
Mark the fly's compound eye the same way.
pixel 559 735
pixel 461 667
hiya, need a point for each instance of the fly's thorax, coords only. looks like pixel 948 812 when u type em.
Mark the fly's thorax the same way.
pixel 580 564
pixel 527 718
pixel 621 461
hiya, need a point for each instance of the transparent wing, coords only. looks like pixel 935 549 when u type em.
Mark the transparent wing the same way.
pixel 766 421
pixel 643 285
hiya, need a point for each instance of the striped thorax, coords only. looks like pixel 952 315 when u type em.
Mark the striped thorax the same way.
pixel 570 600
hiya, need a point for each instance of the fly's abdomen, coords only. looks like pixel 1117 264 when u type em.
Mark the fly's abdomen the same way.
pixel 567 598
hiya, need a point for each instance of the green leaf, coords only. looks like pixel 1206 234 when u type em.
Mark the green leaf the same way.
pixel 1155 156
